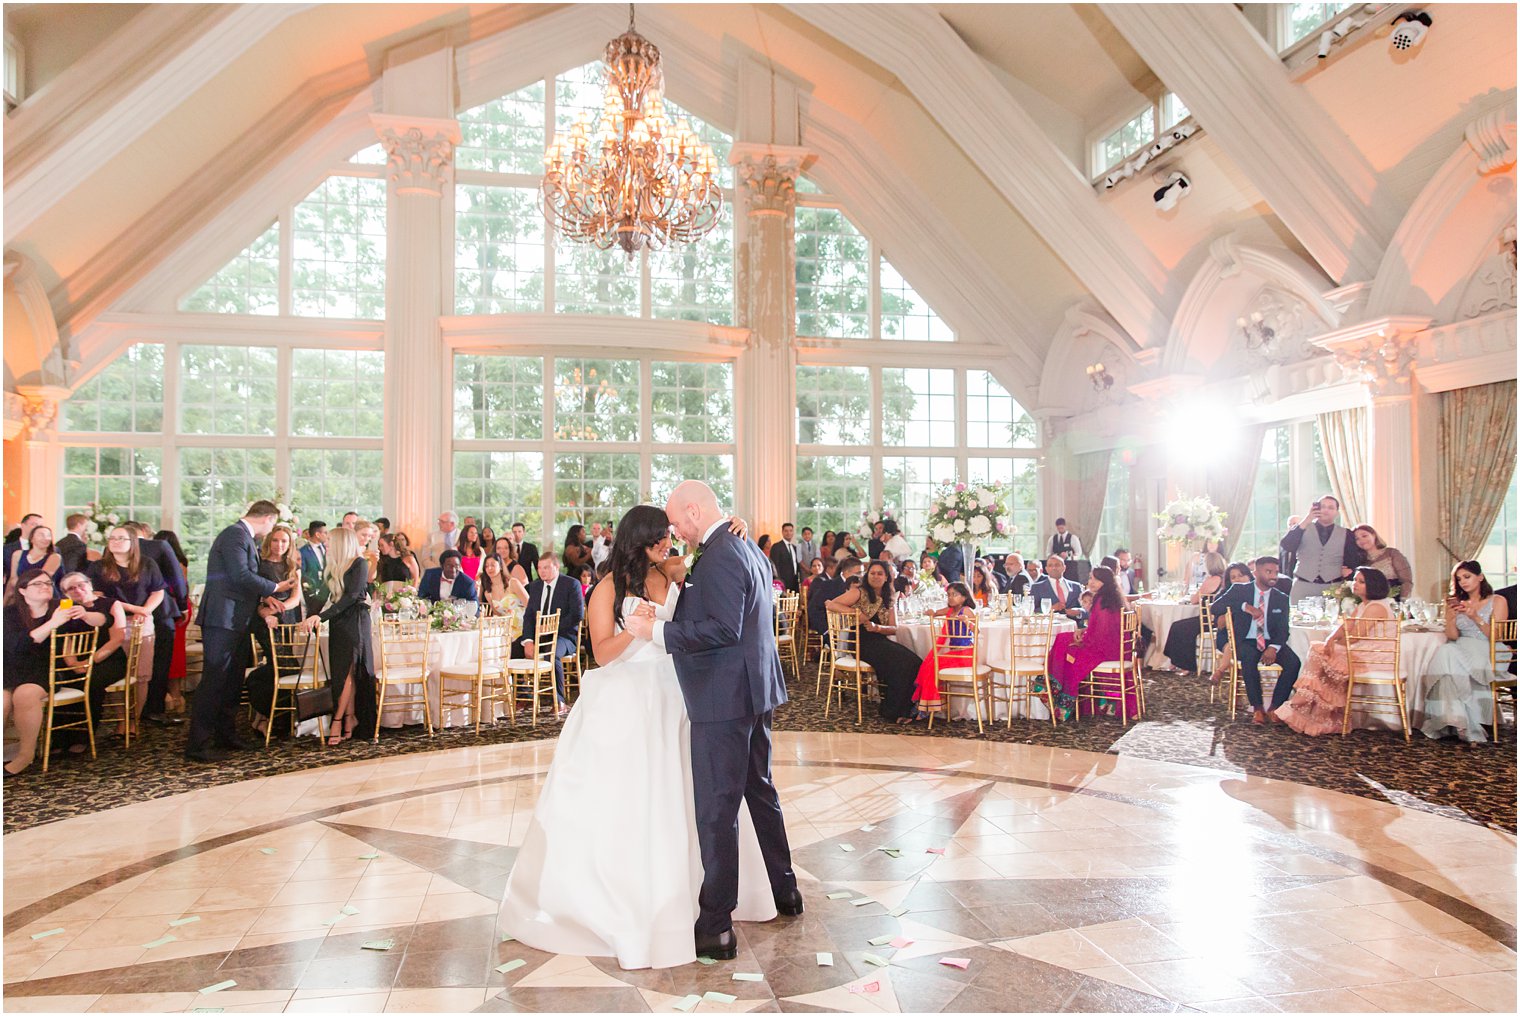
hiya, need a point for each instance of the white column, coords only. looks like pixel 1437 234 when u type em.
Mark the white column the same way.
pixel 419 135
pixel 42 468
pixel 767 369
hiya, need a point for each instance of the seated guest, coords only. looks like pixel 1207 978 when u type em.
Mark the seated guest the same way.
pixel 448 581
pixel 395 570
pixel 1056 593
pixel 1008 568
pixel 1195 571
pixel 1086 600
pixel 1507 594
pixel 500 592
pixel 39 555
pixel 1182 640
pixel 1453 696
pixel 32 614
pixel 109 622
pixel 1074 655
pixel 906 583
pixel 895 664
pixel 827 588
pixel 1388 560
pixel 1318 705
pixel 552 592
pixel 983 586
pixel 1026 578
pixel 928 571
pixel 1260 615
pixel 1124 574
pixel 951 649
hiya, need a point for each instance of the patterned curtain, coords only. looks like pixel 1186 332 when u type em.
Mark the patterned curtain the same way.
pixel 1092 485
pixel 1477 463
pixel 1231 479
pixel 1343 435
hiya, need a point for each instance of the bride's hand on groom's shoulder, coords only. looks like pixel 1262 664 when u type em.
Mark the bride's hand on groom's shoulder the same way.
pixel 738 527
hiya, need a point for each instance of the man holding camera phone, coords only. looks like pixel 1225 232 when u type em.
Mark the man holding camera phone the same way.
pixel 1328 557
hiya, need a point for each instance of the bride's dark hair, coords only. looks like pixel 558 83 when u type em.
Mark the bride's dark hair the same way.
pixel 642 528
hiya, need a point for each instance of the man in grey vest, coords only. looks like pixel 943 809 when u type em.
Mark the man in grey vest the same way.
pixel 1325 558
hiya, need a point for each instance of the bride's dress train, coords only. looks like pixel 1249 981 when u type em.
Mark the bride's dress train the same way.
pixel 610 865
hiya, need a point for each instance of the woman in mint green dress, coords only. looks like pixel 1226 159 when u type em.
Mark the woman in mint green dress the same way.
pixel 1453 696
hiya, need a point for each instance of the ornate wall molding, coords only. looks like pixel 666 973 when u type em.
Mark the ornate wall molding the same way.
pixel 419 150
pixel 15 420
pixel 769 174
pixel 39 406
pixel 1492 137
pixel 1492 286
pixel 51 354
pixel 1380 353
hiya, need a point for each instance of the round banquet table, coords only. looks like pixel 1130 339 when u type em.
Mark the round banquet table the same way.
pixel 1159 616
pixel 993 647
pixel 1416 647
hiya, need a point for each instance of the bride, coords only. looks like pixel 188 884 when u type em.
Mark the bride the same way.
pixel 610 865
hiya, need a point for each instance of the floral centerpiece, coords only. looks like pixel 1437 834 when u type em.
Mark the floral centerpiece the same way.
pixel 1190 520
pixel 290 515
pixel 402 599
pixel 963 513
pixel 868 520
pixel 102 518
pixel 1343 594
pixel 447 615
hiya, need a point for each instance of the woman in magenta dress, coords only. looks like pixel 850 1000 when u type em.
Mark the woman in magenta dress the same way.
pixel 471 552
pixel 952 650
pixel 1074 655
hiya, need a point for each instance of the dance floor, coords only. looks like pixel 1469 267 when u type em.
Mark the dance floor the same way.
pixel 1055 879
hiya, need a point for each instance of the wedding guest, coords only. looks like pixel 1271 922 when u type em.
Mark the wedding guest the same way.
pixel 1007 567
pixel 1326 559
pixel 826 545
pixel 313 565
pixel 471 551
pixel 394 569
pixel 1086 600
pixel 32 614
pixel 577 549
pixel 525 553
pixel 1074 655
pixel 499 592
pixel 845 546
pixel 601 544
pixel 896 665
pixel 408 555
pixel 1182 640
pixel 369 546
pixel 587 579
pixel 350 519
pixel 893 541
pixel 1055 592
pixel 351 658
pixel 448 581
pixel 951 565
pixel 983 586
pixel 1033 571
pixel 39 555
pixel 74 546
pixel 1195 570
pixel 174 605
pixel 1260 612
pixel 18 539
pixel 1453 697
pixel 137 584
pixel 1124 574
pixel 952 648
pixel 515 569
pixel 487 539
pixel 179 662
pixel 827 588
pixel 814 570
pixel 1388 560
pixel 547 594
pixel 1507 594
pixel 1318 705
pixel 807 550
pixel 783 555
pixel 906 583
pixel 877 541
pixel 105 617
pixel 928 570
pixel 445 537
pixel 1288 561
pixel 279 561
pixel 1063 544
pixel 384 525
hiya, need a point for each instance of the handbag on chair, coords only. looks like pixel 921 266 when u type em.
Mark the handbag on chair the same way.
pixel 314 702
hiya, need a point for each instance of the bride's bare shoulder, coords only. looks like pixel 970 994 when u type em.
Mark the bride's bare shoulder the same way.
pixel 601 597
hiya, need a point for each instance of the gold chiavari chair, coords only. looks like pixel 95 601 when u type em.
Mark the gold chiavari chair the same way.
pixel 1206 646
pixel 71 661
pixel 972 679
pixel 847 671
pixel 489 681
pixel 1029 641
pixel 785 621
pixel 538 671
pixel 571 662
pixel 1115 679
pixel 1238 682
pixel 1501 653
pixel 1374 648
pixel 289 654
pixel 811 639
pixel 404 661
pixel 121 695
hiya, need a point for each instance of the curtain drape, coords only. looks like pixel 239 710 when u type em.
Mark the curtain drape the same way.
pixel 1477 463
pixel 1231 479
pixel 1092 485
pixel 1343 435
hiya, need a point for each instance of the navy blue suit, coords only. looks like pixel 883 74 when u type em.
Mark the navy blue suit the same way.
pixel 1236 599
pixel 164 619
pixel 951 566
pixel 1069 595
pixel 429 587
pixel 723 642
pixel 229 604
pixel 570 602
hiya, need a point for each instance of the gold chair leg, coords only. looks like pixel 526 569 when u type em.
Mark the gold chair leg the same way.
pixel 1398 689
pixel 1346 713
pixel 379 712
pixel 860 694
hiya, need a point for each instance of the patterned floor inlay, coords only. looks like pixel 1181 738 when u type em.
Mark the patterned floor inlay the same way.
pixel 1000 877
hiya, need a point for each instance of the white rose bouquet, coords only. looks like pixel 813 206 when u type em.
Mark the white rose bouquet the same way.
pixel 1190 520
pixel 102 518
pixel 868 520
pixel 290 515
pixel 964 513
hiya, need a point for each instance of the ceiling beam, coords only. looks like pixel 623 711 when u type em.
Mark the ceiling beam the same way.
pixel 1306 168
pixel 1007 146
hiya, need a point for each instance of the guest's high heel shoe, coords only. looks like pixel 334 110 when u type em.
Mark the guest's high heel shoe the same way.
pixel 349 723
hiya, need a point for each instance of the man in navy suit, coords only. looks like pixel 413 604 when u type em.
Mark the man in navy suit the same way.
pixel 234 589
pixel 448 581
pixel 170 609
pixel 1259 612
pixel 548 593
pixel 723 643
pixel 1063 595
pixel 950 566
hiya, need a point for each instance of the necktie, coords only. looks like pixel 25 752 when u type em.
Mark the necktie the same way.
pixel 1261 625
pixel 543 605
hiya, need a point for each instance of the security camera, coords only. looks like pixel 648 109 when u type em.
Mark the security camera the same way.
pixel 1409 30
pixel 1172 190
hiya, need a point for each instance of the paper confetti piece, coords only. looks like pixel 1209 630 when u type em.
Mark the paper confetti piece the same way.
pixel 218 986
pixel 867 827
pixel 890 851
pixel 847 848
pixel 268 850
pixel 369 857
pixel 935 850
pixel 898 912
pixel 159 941
pixel 840 895
pixel 901 943
pixel 825 959
pixel 380 945
pixel 749 977
pixel 349 911
pixel 47 934
pixel 719 997
pixel 185 920
pixel 510 965
pixel 706 961
pixel 334 919
pixel 508 938
pixel 958 962
pixel 687 1004
pixel 881 939
pixel 873 959
pixel 861 901
pixel 869 988
pixel 208 1009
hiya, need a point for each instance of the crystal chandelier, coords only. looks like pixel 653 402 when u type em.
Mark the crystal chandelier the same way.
pixel 630 177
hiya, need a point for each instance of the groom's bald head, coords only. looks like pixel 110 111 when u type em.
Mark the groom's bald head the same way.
pixel 692 509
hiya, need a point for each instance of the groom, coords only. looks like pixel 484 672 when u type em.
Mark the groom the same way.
pixel 725 656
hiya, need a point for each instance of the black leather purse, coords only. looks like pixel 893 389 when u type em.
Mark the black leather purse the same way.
pixel 314 702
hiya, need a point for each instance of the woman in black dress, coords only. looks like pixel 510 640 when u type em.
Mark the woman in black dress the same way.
pixel 279 559
pixel 39 555
pixel 408 557
pixel 32 614
pixel 896 665
pixel 1182 640
pixel 351 659
pixel 393 567
pixel 109 622
pixel 577 549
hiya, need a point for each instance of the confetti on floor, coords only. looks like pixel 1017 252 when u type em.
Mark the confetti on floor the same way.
pixel 935 850
pixel 687 1004
pixel 749 977
pixel 510 965
pixel 861 901
pixel 873 959
pixel 380 945
pixel 184 921
pixel 847 848
pixel 47 934
pixel 268 850
pixel 840 895
pixel 719 997
pixel 867 827
pixel 901 943
pixel 159 941
pixel 958 962
pixel 706 961
pixel 881 939
pixel 825 959
pixel 218 986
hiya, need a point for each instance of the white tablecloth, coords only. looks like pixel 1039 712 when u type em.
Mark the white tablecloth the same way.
pixel 993 644
pixel 1415 650
pixel 1159 617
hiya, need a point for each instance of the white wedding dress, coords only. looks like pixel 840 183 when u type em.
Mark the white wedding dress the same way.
pixel 610 865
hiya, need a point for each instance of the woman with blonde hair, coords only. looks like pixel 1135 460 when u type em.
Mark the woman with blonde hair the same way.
pixel 1182 639
pixel 351 661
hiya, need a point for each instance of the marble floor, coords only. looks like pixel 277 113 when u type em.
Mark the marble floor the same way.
pixel 1055 880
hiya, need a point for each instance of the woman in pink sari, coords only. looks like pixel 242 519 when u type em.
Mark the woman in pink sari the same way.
pixel 1073 655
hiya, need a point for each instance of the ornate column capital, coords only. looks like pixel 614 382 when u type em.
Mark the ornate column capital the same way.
pixel 420 151
pixel 39 406
pixel 1380 353
pixel 769 174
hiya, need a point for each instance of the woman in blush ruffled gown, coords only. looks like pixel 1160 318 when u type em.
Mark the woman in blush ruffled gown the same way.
pixel 1318 705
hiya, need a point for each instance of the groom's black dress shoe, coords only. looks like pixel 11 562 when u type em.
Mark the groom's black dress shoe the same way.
pixel 722 946
pixel 789 902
